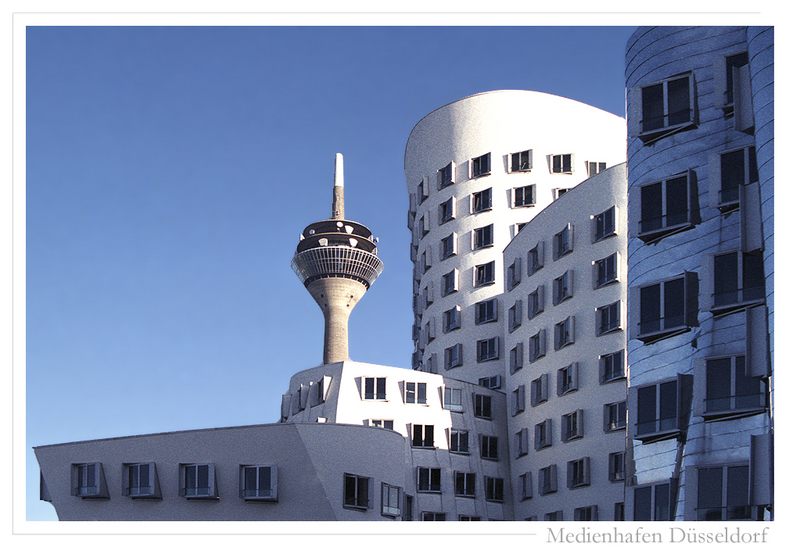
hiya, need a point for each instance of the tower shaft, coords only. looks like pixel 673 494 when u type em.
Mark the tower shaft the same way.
pixel 336 297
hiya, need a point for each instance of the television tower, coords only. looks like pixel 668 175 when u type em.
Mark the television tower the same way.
pixel 337 261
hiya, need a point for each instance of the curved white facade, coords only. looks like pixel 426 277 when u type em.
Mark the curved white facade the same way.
pixel 544 128
pixel 566 357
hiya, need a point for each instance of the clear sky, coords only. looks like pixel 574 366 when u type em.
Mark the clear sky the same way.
pixel 170 171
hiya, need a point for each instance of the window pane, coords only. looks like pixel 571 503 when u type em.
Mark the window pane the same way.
pixel 191 476
pixel 709 493
pixel 651 207
pixel 677 201
pixel 650 312
pixel 668 405
pixel 673 304
pixel 738 493
pixel 202 476
pixel 641 503
pixel 647 409
pixel 250 479
pixel 752 276
pixel 732 173
pixel 349 490
pixel 753 175
pixel 726 279
pixel 678 99
pixel 652 107
pixel 144 476
pixel 381 388
pixel 662 511
pixel 718 385
pixel 748 388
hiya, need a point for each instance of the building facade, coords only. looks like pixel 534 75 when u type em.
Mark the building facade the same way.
pixel 477 170
pixel 700 271
pixel 565 328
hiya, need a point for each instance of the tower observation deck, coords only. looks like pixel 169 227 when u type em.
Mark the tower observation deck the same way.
pixel 337 261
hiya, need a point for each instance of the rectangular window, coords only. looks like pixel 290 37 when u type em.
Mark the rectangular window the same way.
pixel 660 407
pixel 494 489
pixel 514 274
pixel 459 441
pixel 667 307
pixel 536 302
pixel 424 225
pixel 482 201
pixel 521 161
pixel 356 492
pixel 486 311
pixel 604 224
pixel 483 237
pixel 464 484
pixel 483 406
pixel 732 65
pixel 667 206
pixel 480 166
pixel 567 379
pixel 488 349
pixel 554 516
pixel 515 316
pixel 595 167
pixel 386 424
pixel 451 319
pixel 730 389
pixel 737 168
pixel 564 333
pixel 453 399
pixel 653 502
pixel 605 271
pixel 430 515
pixel 448 247
pixel 452 356
pixel 539 390
pixel 612 366
pixel 519 399
pixel 563 242
pixel 197 481
pixel 526 485
pixel 521 440
pixel 558 192
pixel 562 287
pixel 429 479
pixel 723 493
pixel 450 282
pixel 515 358
pixel 572 426
pixel 525 196
pixel 548 480
pixel 390 500
pixel 616 466
pixel 667 105
pixel 578 474
pixel 585 513
pixel 422 191
pixel 491 382
pixel 738 280
pixel 446 210
pixel 140 480
pixel 444 176
pixel 615 416
pixel 258 482
pixel 421 436
pixel 88 480
pixel 416 392
pixel 561 163
pixel 488 447
pixel 537 345
pixel 536 258
pixel 607 318
pixel 543 434
pixel 619 511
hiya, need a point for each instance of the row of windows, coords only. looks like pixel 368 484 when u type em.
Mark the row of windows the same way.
pixel 670 306
pixel 517 162
pixel 429 481
pixel 374 388
pixel 578 475
pixel 585 513
pixel 667 106
pixel 197 481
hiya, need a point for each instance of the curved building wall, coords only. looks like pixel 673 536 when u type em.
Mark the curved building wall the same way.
pixel 346 399
pixel 501 124
pixel 588 352
pixel 694 221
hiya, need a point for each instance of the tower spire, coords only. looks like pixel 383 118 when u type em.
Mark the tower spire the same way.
pixel 337 206
pixel 337 261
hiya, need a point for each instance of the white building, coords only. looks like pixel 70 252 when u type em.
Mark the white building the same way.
pixel 565 347
pixel 700 273
pixel 477 170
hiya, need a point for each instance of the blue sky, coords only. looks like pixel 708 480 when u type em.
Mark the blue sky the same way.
pixel 170 171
